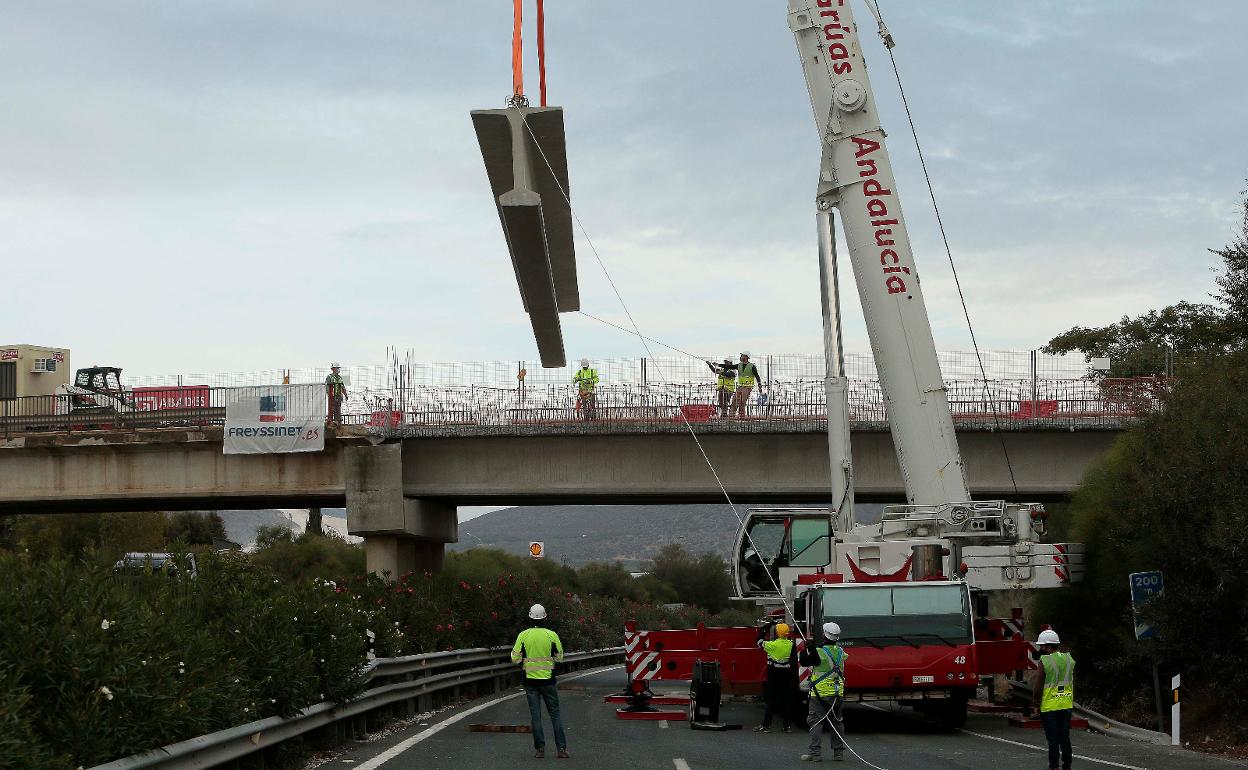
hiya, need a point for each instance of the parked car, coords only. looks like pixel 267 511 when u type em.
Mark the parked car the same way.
pixel 171 564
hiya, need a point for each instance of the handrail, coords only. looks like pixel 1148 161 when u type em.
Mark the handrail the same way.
pixel 235 742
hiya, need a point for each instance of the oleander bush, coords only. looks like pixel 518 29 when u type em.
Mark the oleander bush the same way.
pixel 95 666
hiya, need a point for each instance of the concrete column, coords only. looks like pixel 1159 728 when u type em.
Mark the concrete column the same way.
pixel 400 534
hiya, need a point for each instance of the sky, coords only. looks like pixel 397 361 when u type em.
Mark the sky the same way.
pixel 240 185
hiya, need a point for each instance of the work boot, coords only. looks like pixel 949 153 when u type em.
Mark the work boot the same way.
pixel 563 754
pixel 838 755
pixel 762 729
pixel 541 754
pixel 811 758
pixel 788 728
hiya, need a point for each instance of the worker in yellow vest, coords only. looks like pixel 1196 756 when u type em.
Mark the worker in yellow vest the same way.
pixel 725 383
pixel 780 688
pixel 586 381
pixel 1053 690
pixel 538 649
pixel 748 378
pixel 827 693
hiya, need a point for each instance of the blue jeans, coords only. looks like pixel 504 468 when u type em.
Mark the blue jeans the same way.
pixel 1057 731
pixel 537 692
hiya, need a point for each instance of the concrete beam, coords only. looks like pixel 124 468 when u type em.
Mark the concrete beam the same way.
pixel 753 467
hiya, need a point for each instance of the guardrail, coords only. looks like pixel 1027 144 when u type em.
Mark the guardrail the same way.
pixel 1101 723
pixel 403 687
pixel 790 405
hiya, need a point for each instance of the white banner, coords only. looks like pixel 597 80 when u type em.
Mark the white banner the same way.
pixel 275 418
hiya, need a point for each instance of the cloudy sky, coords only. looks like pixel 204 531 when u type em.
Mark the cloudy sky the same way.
pixel 239 185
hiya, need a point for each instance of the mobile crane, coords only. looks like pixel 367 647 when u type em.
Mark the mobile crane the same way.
pixel 909 592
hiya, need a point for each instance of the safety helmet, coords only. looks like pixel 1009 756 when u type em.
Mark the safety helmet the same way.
pixel 745 354
pixel 1048 637
pixel 727 360
pixel 537 612
pixel 584 362
pixel 782 630
pixel 831 631
pixel 335 365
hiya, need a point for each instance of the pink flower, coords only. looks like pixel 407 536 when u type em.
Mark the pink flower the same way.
pixel 438 628
pixel 450 626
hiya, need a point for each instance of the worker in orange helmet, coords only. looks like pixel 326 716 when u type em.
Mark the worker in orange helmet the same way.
pixel 781 684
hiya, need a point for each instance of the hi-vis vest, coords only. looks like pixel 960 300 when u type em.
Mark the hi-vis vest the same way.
pixel 778 652
pixel 585 380
pixel 747 375
pixel 336 385
pixel 828 676
pixel 538 649
pixel 727 380
pixel 1059 681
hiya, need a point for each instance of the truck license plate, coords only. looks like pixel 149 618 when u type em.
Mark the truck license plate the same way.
pixel 923 680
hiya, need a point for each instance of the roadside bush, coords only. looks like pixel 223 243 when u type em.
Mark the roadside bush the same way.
pixel 1171 495
pixel 94 667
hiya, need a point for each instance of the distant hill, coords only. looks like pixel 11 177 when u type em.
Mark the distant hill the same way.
pixel 627 534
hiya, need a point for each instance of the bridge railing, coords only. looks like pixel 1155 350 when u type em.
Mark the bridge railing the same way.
pixel 469 410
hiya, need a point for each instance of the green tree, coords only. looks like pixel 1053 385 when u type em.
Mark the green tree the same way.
pixel 195 527
pixel 1172 495
pixel 700 580
pixel 1233 281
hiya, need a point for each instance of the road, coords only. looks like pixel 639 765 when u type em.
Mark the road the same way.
pixel 893 740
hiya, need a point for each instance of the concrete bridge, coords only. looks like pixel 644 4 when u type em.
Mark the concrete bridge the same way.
pixel 401 494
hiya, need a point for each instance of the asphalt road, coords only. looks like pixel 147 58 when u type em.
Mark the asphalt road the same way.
pixel 893 740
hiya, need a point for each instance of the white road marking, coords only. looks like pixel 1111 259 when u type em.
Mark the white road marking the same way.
pixel 399 748
pixel 662 724
pixel 1045 748
pixel 680 764
pixel 1026 745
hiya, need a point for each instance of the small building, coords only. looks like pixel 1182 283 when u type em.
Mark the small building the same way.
pixel 32 370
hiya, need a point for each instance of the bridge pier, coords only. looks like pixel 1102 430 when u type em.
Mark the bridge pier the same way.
pixel 400 534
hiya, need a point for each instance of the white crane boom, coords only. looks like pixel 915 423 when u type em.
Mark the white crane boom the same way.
pixel 856 178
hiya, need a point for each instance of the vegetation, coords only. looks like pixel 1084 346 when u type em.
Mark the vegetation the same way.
pixel 1172 495
pixel 95 666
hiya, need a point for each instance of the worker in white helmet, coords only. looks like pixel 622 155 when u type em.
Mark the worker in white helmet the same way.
pixel 827 693
pixel 748 378
pixel 335 393
pixel 586 381
pixel 1053 691
pixel 538 649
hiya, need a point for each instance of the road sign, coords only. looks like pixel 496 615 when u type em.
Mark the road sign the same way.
pixel 537 549
pixel 1144 587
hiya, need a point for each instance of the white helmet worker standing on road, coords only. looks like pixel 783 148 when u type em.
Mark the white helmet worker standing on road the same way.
pixel 538 649
pixel 827 693
pixel 1053 690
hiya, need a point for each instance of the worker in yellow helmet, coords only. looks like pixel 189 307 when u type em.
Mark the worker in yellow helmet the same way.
pixel 780 689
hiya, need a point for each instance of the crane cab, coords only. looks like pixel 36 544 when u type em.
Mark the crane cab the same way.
pixel 777 545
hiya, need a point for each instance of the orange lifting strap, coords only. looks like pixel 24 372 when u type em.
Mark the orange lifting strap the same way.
pixel 517 48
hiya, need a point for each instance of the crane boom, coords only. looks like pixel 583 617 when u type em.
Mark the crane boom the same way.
pixel 856 178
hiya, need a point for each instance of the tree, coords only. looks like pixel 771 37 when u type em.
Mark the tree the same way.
pixel 700 580
pixel 195 527
pixel 1171 495
pixel 1233 281
pixel 1147 344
